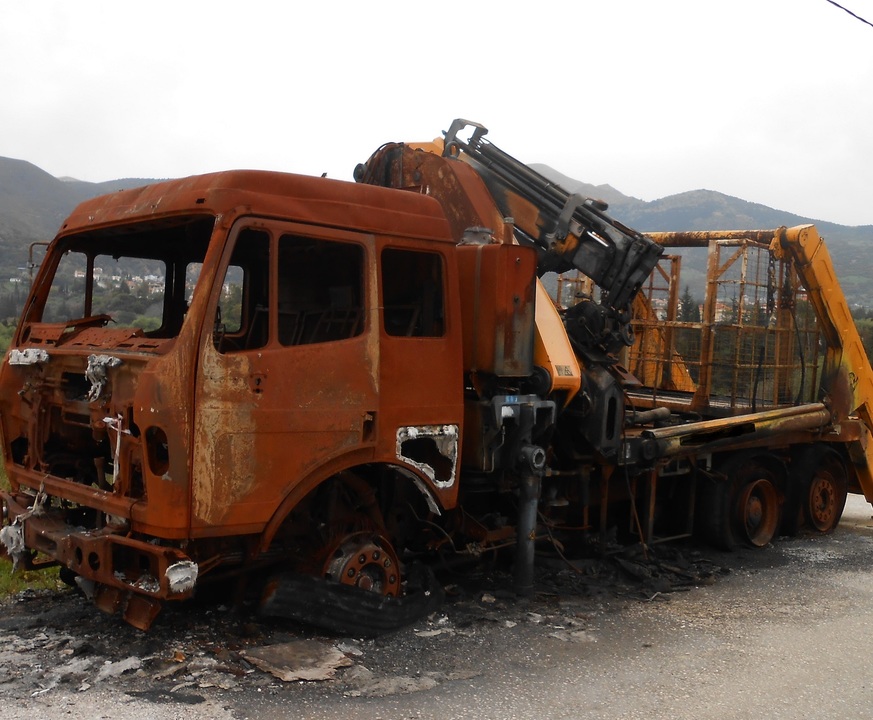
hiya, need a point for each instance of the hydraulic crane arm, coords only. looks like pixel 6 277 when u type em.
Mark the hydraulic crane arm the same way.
pixel 570 231
pixel 480 185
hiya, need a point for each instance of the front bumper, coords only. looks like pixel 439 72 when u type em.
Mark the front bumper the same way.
pixel 119 566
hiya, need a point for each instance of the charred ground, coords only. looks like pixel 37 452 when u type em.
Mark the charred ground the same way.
pixel 58 644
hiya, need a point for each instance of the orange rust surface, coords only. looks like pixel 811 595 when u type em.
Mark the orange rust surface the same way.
pixel 293 197
pixel 247 434
pixel 498 279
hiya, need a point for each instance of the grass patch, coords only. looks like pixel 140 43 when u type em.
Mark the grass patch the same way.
pixel 11 583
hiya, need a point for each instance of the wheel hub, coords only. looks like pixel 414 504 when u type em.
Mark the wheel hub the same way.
pixel 366 561
pixel 822 501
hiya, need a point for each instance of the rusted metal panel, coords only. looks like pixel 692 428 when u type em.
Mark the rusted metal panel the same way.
pixel 463 195
pixel 115 421
pixel 109 557
pixel 294 197
pixel 498 281
pixel 418 364
pixel 252 442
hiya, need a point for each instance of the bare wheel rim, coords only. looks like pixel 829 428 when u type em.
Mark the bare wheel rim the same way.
pixel 823 507
pixel 366 561
pixel 758 511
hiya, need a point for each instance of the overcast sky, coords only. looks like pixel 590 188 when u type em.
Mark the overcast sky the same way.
pixel 767 100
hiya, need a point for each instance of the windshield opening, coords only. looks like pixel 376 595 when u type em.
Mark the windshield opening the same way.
pixel 139 278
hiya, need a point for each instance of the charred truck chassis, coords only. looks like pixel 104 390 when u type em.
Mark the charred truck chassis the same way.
pixel 335 383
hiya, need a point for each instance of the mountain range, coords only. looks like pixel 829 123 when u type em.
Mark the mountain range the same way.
pixel 33 204
pixel 849 246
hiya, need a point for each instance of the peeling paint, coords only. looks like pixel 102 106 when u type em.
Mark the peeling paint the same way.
pixel 433 449
pixel 31 356
pixel 224 438
pixel 428 498
pixel 87 586
pixel 116 424
pixel 148 583
pixel 12 535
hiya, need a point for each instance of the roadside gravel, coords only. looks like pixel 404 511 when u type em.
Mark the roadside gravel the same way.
pixel 678 637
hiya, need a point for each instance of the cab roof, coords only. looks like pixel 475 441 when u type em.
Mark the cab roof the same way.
pixel 299 198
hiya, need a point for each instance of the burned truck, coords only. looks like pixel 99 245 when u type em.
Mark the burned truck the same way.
pixel 335 383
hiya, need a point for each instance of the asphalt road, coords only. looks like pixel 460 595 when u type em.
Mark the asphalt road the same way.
pixel 784 634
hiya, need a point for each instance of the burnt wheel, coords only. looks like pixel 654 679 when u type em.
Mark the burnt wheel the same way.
pixel 741 506
pixel 345 573
pixel 757 511
pixel 817 490
pixel 824 493
pixel 366 561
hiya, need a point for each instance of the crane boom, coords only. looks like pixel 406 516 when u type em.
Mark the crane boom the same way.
pixel 571 231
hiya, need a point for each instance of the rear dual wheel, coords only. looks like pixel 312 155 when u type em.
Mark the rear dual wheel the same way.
pixel 756 511
pixel 742 506
pixel 825 499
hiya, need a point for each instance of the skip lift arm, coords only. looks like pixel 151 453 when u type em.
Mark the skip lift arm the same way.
pixel 847 369
pixel 570 231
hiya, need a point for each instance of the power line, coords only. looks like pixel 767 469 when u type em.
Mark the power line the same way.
pixel 857 17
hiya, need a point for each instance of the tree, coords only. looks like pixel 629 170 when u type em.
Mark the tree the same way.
pixel 689 309
pixel 7 306
pixel 6 330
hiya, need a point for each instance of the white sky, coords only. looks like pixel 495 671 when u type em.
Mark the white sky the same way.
pixel 767 100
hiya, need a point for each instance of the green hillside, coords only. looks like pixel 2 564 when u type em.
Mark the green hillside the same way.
pixel 33 204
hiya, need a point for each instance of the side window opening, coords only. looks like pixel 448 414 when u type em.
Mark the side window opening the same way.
pixel 412 293
pixel 66 298
pixel 230 307
pixel 319 295
pixel 242 319
pixel 320 290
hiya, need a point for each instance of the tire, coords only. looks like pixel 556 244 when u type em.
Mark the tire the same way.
pixel 346 610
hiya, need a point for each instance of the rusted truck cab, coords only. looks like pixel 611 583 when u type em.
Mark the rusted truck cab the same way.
pixel 245 415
